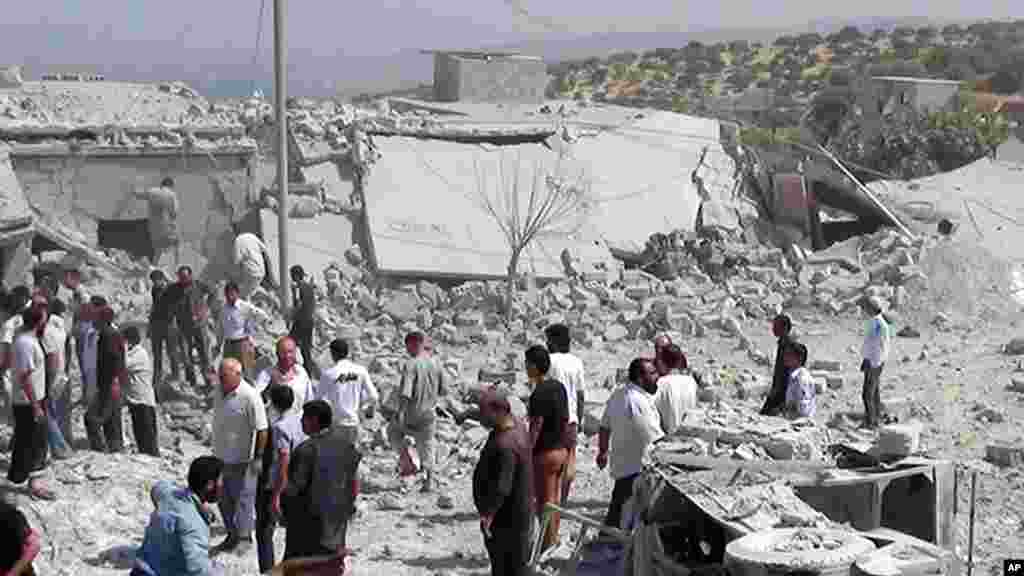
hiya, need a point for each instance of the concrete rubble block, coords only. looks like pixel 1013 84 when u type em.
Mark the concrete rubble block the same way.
pixel 1005 455
pixel 615 333
pixel 469 319
pixel 597 277
pixel 908 273
pixel 895 405
pixel 899 439
pixel 767 276
pixel 639 293
pixel 709 395
pixel 622 304
pixel 1016 384
pixel 790 446
pixel 679 288
pixel 826 365
pixel 431 294
pixel 1014 347
pixel 683 323
pixel 819 385
pixel 752 387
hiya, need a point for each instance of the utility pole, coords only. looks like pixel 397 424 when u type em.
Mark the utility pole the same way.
pixel 280 96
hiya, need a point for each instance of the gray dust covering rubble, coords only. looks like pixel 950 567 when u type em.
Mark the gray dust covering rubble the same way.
pixel 954 378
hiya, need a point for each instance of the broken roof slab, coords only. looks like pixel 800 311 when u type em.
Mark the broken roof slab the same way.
pixel 426 215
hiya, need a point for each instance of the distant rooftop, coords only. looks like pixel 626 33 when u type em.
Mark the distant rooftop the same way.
pixel 914 80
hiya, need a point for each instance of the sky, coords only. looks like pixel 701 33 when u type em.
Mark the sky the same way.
pixel 330 41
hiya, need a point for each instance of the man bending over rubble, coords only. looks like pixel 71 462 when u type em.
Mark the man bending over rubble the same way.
pixel 629 426
pixel 414 404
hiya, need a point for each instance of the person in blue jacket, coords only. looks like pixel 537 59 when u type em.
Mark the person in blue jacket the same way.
pixel 177 540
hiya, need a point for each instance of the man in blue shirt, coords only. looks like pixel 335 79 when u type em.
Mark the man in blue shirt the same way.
pixel 177 539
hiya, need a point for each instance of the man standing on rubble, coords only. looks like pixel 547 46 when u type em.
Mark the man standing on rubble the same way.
pixel 239 439
pixel 676 390
pixel 782 328
pixel 238 327
pixel 548 411
pixel 163 223
pixel 253 262
pixel 302 324
pixel 28 454
pixel 323 484
pixel 567 368
pixel 103 418
pixel 162 333
pixel 503 485
pixel 347 387
pixel 189 301
pixel 875 353
pixel 629 426
pixel 414 404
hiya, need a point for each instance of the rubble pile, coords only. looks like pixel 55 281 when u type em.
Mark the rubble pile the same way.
pixel 722 430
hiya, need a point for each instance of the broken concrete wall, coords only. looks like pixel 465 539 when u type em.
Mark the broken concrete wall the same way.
pixel 79 191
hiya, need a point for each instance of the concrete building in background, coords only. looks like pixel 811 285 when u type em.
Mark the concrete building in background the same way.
pixel 488 77
pixel 81 148
pixel 921 94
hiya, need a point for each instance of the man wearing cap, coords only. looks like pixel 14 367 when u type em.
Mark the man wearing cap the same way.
pixel 875 353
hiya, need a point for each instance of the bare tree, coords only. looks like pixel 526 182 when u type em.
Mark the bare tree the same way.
pixel 547 202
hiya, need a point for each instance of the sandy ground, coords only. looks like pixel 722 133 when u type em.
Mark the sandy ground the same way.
pixel 956 381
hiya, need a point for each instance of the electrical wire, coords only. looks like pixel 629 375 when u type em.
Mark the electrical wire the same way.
pixel 259 41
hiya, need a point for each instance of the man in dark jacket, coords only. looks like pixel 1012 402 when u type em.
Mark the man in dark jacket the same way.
pixel 103 418
pixel 776 400
pixel 161 330
pixel 303 308
pixel 502 485
pixel 322 487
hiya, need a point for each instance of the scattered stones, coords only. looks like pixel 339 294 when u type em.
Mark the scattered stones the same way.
pixel 1014 347
pixel 909 332
pixel 1005 455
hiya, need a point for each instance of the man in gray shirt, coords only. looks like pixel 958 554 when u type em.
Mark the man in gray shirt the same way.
pixel 163 223
pixel 285 435
pixel 414 401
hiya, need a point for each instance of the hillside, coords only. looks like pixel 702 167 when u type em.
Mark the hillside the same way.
pixel 702 78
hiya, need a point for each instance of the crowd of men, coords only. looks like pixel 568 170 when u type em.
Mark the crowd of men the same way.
pixel 286 440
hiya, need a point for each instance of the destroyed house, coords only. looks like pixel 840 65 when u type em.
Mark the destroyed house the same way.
pixel 81 150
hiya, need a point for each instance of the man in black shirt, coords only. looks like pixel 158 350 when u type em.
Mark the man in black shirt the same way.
pixel 548 410
pixel 103 418
pixel 160 330
pixel 303 307
pixel 776 400
pixel 502 484
pixel 188 302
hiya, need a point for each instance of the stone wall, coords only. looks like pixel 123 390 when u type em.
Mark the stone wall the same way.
pixel 76 192
pixel 496 79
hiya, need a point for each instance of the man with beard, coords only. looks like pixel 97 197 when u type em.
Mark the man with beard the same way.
pixel 502 484
pixel 177 540
pixel 630 425
pixel 774 404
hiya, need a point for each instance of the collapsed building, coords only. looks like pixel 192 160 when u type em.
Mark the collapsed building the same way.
pixel 81 148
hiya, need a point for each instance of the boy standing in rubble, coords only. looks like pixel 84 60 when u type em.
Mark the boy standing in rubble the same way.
pixel 875 353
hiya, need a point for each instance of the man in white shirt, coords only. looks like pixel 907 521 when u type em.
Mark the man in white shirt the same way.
pixel 17 299
pixel 238 326
pixel 28 458
pixel 875 353
pixel 58 391
pixel 239 439
pixel 567 368
pixel 139 394
pixel 630 425
pixel 287 371
pixel 346 386
pixel 251 258
pixel 677 390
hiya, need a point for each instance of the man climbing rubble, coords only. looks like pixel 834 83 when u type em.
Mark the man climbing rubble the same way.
pixel 253 262
pixel 163 223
